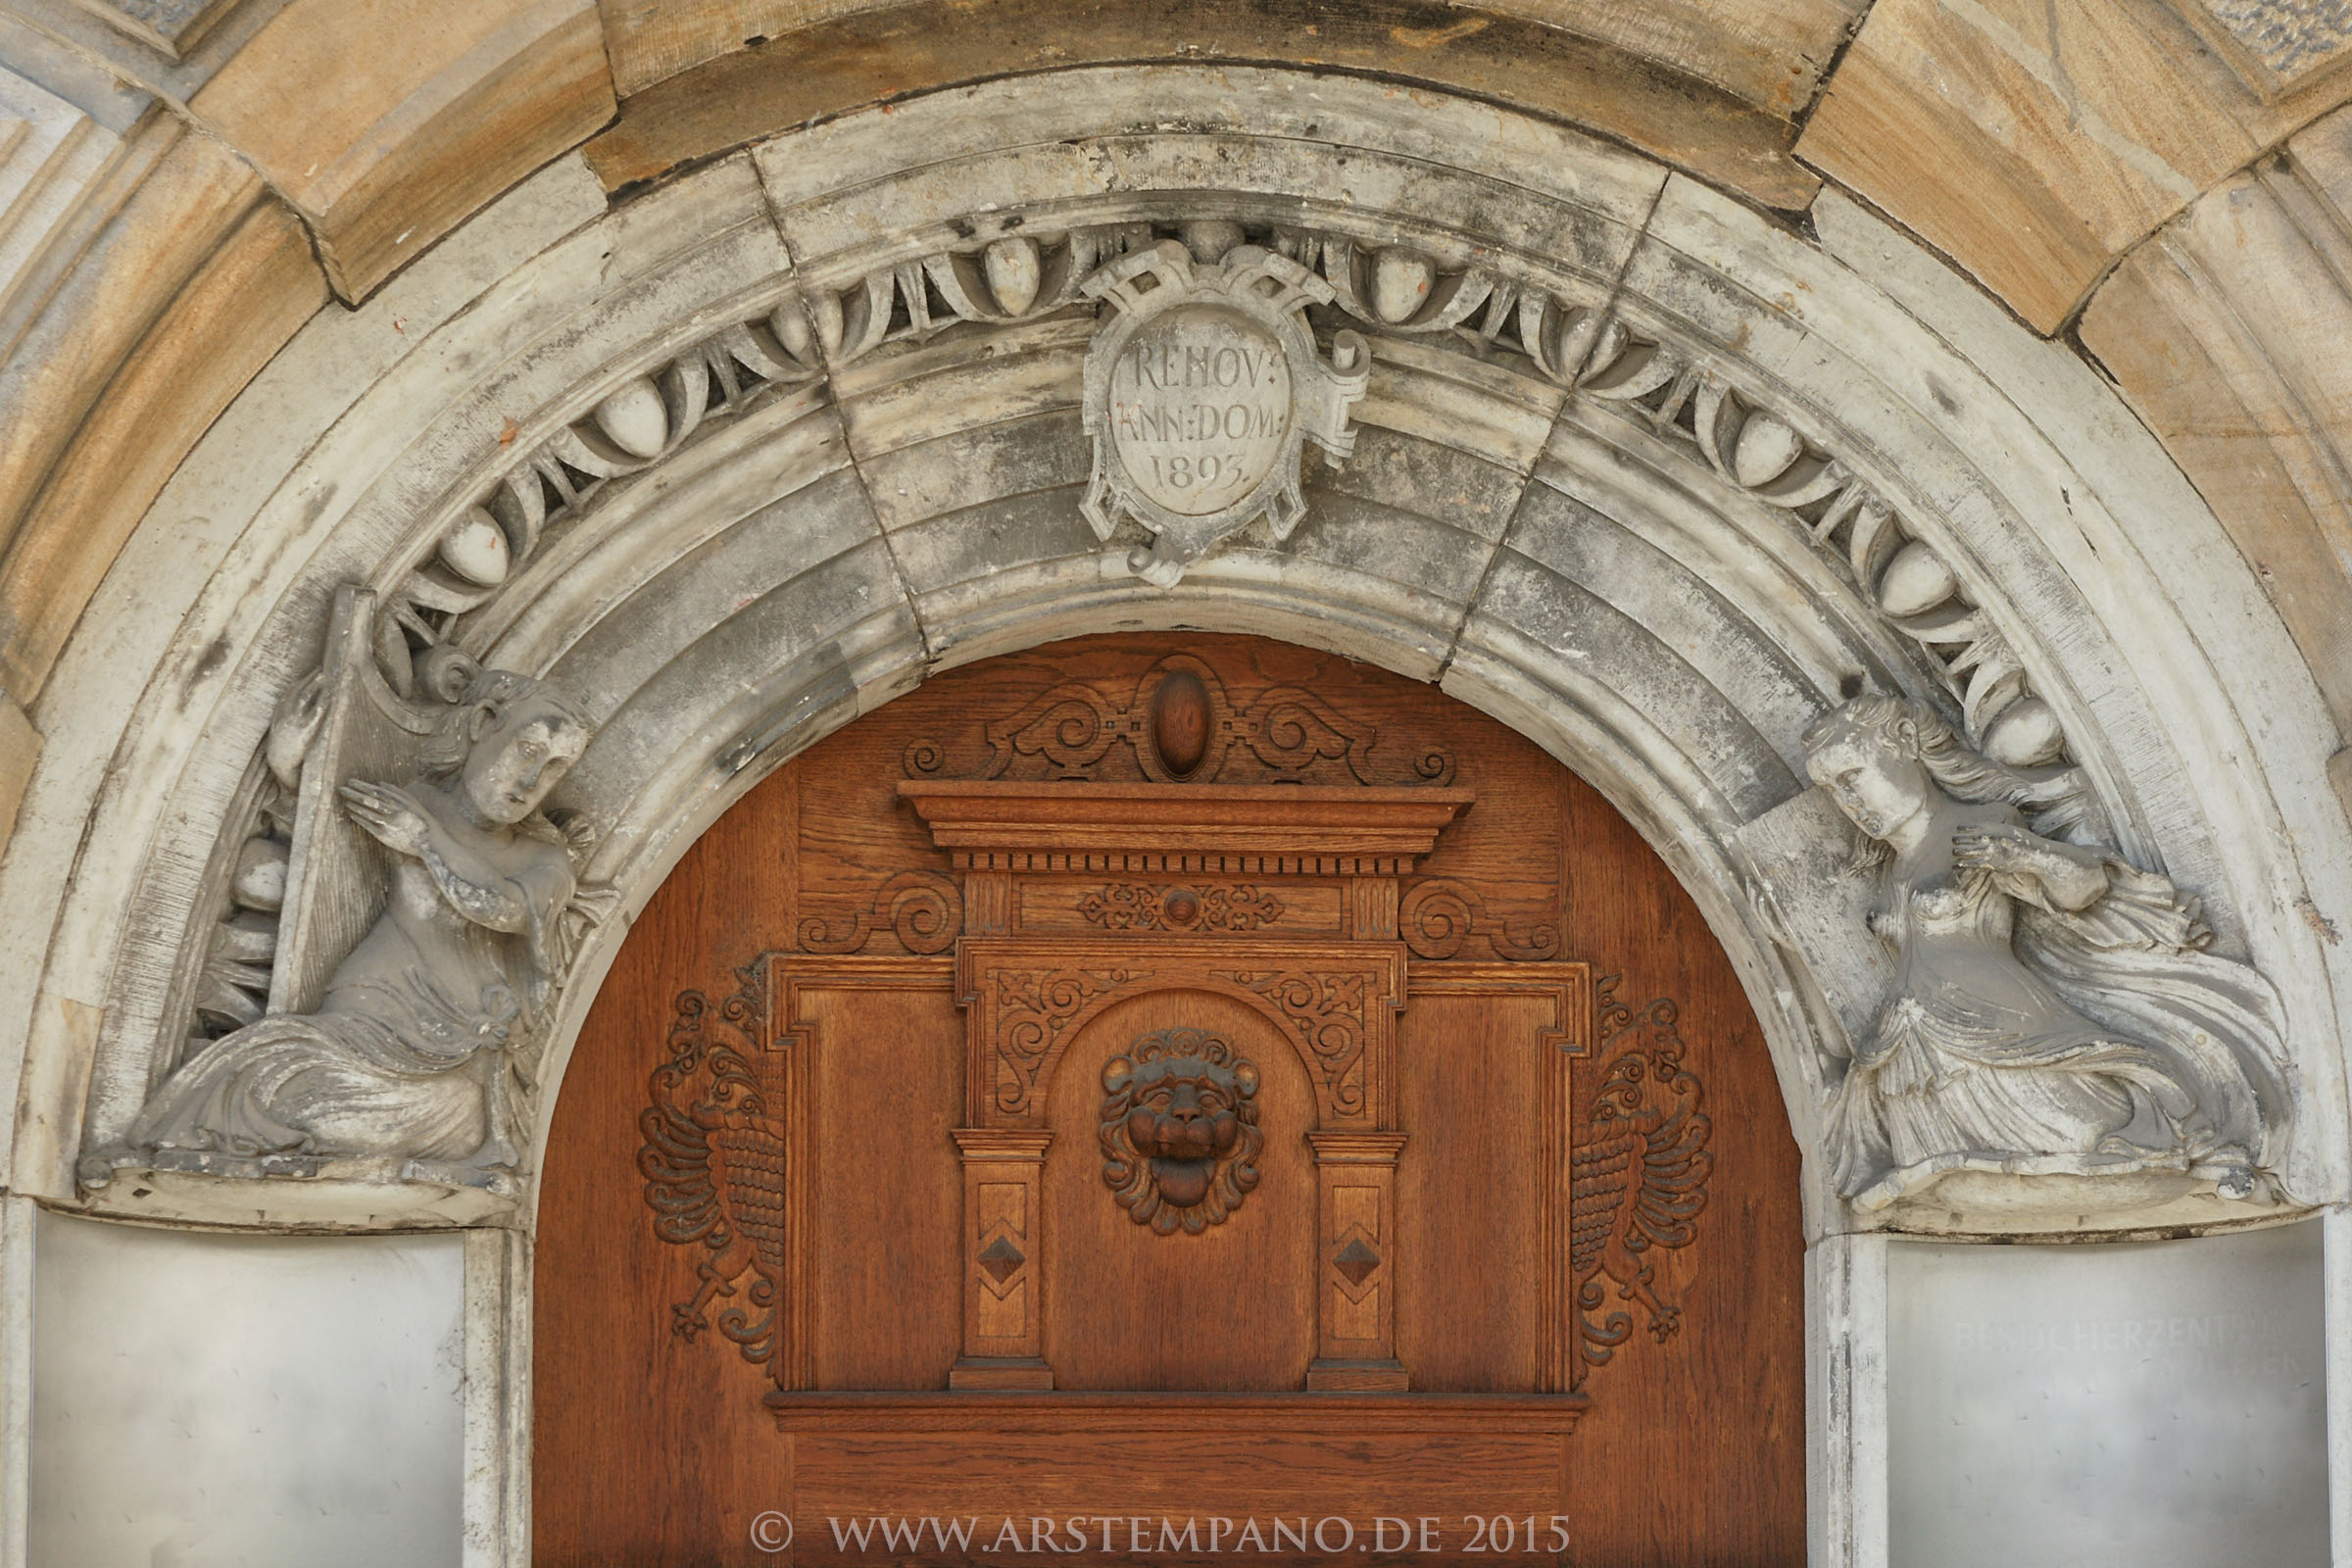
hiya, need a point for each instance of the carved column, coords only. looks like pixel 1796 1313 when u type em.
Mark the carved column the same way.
pixel 1355 1344
pixel 1004 1259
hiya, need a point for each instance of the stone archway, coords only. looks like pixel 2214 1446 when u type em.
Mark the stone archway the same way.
pixel 1637 472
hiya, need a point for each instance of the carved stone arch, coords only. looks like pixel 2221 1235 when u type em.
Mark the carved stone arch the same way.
pixel 764 446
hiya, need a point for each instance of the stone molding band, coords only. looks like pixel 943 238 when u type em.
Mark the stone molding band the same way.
pixel 1600 484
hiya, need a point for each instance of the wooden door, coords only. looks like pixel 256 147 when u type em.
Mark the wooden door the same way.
pixel 1158 1098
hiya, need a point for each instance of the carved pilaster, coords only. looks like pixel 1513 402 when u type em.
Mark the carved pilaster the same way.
pixel 1355 1344
pixel 1004 1259
pixel 987 903
pixel 1372 908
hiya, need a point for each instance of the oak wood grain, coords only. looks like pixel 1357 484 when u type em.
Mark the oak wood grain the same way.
pixel 1181 1359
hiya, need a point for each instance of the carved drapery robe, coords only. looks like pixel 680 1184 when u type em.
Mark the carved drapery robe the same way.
pixel 2025 1037
pixel 410 1053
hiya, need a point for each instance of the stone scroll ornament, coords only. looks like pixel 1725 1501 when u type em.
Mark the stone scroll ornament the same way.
pixel 414 1053
pixel 1179 1130
pixel 2053 1011
pixel 1202 386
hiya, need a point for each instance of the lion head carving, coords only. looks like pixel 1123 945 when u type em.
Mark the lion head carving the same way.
pixel 1178 1131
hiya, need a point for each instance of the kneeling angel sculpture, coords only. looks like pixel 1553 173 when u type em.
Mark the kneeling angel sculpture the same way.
pixel 410 1053
pixel 2054 1010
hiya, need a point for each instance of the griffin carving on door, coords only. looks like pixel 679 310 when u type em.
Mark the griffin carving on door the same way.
pixel 1637 1177
pixel 713 1165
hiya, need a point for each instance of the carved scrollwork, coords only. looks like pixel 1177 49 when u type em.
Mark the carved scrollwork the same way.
pixel 1069 731
pixel 1637 1176
pixel 1327 1012
pixel 923 910
pixel 1203 385
pixel 713 1165
pixel 1437 916
pixel 1068 727
pixel 1033 1006
pixel 1179 1130
pixel 1151 906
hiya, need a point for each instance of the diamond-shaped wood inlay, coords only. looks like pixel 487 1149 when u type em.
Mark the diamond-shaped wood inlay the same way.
pixel 1356 1260
pixel 1000 1258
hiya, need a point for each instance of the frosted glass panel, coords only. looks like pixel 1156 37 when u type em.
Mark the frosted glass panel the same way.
pixel 2152 1404
pixel 240 1402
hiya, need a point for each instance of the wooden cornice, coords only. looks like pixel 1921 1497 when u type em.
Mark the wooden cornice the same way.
pixel 1256 829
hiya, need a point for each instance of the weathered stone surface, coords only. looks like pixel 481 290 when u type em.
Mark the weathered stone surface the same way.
pixel 1803 859
pixel 651 40
pixel 248 300
pixel 19 749
pixel 172 26
pixel 1769 57
pixel 1487 422
pixel 2036 143
pixel 2277 45
pixel 1549 191
pixel 388 121
pixel 225 483
pixel 525 311
pixel 2226 333
pixel 139 62
pixel 1811 332
pixel 1422 476
pixel 766 463
pixel 901 50
pixel 1654 617
pixel 50 152
pixel 1726 644
pixel 173 198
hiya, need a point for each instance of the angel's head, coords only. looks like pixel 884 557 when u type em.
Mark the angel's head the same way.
pixel 1867 754
pixel 1884 757
pixel 506 743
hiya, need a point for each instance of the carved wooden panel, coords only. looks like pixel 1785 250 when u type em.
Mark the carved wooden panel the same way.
pixel 838 1219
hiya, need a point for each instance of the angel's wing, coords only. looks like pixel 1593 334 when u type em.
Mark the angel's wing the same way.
pixel 337 877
